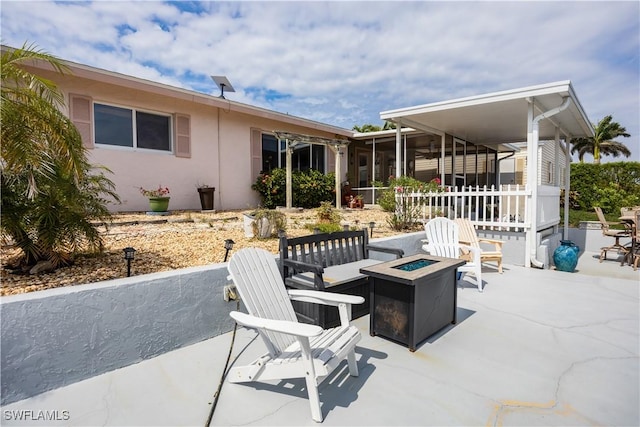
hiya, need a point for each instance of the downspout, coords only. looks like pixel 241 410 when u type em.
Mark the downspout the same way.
pixel 533 166
pixel 567 185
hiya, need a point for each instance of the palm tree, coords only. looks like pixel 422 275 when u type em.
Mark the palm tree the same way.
pixel 602 142
pixel 368 127
pixel 50 192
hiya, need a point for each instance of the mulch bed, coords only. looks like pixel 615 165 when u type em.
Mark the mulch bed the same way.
pixel 180 240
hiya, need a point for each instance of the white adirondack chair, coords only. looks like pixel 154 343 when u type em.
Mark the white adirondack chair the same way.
pixel 443 240
pixel 295 350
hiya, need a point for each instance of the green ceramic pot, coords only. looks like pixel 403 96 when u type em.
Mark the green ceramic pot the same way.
pixel 159 204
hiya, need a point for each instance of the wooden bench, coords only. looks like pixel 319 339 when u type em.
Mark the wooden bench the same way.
pixel 329 262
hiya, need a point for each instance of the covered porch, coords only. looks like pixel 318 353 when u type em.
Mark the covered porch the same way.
pixel 463 141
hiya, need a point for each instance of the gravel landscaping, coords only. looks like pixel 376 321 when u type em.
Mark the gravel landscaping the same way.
pixel 179 240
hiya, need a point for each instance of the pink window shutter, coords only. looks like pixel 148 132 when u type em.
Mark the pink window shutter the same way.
pixel 80 113
pixel 183 135
pixel 256 153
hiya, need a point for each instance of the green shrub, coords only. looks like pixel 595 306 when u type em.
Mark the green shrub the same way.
pixel 310 188
pixel 326 227
pixel 405 215
pixel 327 213
pixel 328 219
pixel 607 185
pixel 387 199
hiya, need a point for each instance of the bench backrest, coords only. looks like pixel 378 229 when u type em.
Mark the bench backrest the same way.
pixel 326 249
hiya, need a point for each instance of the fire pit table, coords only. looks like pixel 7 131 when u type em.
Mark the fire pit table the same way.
pixel 412 297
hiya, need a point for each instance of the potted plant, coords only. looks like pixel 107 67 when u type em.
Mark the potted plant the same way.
pixel 264 223
pixel 206 196
pixel 356 202
pixel 158 199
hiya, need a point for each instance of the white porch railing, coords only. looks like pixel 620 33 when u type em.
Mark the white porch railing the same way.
pixel 489 208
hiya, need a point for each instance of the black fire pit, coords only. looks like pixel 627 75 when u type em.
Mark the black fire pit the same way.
pixel 412 297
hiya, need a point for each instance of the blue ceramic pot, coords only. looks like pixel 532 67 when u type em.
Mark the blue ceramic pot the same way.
pixel 565 256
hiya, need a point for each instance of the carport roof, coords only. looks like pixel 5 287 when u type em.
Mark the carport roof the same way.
pixel 499 117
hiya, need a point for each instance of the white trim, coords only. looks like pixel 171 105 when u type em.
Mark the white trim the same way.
pixel 488 98
pixel 134 124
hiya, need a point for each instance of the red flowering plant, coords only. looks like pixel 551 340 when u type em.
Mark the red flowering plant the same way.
pixel 159 192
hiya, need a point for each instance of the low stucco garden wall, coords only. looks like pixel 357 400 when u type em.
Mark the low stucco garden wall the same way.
pixel 60 336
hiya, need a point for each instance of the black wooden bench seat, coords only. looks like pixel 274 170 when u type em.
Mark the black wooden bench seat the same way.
pixel 329 262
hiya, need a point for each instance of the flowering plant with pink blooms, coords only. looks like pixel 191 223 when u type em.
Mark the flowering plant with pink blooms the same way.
pixel 160 192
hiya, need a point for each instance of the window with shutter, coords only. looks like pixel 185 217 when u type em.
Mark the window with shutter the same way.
pixel 80 114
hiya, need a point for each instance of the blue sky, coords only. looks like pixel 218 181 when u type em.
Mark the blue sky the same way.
pixel 344 62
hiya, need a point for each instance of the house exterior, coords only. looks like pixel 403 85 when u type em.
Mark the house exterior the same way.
pixel 150 134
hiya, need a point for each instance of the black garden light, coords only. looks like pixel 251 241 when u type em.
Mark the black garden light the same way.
pixel 371 226
pixel 129 255
pixel 228 245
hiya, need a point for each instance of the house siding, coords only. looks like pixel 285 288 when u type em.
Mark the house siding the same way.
pixel 546 160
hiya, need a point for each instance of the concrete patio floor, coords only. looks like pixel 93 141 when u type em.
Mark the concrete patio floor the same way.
pixel 538 347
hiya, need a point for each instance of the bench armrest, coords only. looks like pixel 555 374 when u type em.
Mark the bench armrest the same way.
pixel 398 252
pixel 303 266
pixel 299 266
pixel 342 301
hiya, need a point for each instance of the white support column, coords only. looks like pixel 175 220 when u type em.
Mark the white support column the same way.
pixel 532 184
pixel 532 168
pixel 373 172
pixel 289 199
pixel 398 148
pixel 443 165
pixel 556 162
pixel 404 155
pixel 338 189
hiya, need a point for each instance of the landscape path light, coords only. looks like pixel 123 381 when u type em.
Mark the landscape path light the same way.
pixel 228 245
pixel 372 224
pixel 129 255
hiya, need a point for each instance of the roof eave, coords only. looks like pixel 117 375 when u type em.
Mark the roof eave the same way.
pixel 111 77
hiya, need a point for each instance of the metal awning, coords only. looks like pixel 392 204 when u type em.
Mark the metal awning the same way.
pixel 292 139
pixel 499 117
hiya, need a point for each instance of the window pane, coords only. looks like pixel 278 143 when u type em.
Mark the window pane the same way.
pixel 301 157
pixel 318 157
pixel 113 125
pixel 269 152
pixel 153 131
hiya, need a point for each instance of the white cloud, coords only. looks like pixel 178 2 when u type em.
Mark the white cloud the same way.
pixel 344 62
